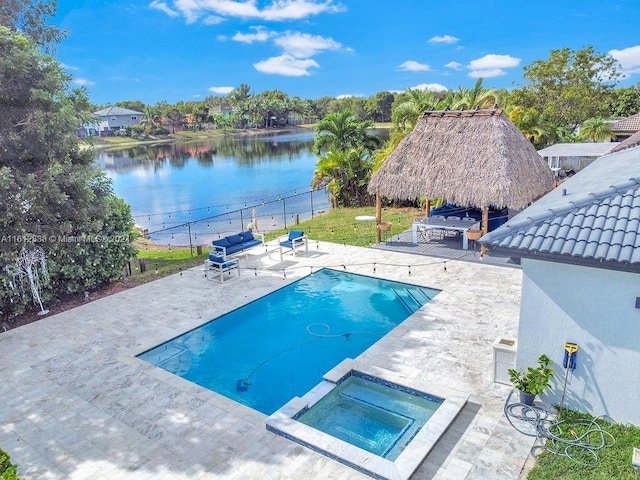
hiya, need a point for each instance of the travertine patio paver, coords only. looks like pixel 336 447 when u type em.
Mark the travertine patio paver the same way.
pixel 77 403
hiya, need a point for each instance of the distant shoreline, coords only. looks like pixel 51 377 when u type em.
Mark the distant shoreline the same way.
pixel 187 136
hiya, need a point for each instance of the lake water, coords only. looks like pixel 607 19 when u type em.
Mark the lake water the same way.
pixel 202 190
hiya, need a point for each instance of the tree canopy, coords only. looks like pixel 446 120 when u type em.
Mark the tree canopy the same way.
pixel 51 193
pixel 569 87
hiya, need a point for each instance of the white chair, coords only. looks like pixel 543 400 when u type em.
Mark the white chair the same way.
pixel 293 241
pixel 221 265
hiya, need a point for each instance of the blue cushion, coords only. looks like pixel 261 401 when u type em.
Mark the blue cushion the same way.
pixel 222 242
pixel 295 234
pixel 234 239
pixel 247 236
pixel 216 258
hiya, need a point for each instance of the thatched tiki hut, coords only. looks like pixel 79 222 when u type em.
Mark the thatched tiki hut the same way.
pixel 473 158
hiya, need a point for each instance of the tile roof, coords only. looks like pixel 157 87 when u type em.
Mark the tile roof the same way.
pixel 629 124
pixel 105 112
pixel 591 218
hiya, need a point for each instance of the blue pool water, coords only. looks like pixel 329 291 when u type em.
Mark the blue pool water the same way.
pixel 279 346
pixel 378 417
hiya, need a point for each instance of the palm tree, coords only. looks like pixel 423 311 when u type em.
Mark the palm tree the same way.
pixel 151 119
pixel 596 129
pixel 406 113
pixel 529 122
pixel 346 175
pixel 343 131
pixel 476 97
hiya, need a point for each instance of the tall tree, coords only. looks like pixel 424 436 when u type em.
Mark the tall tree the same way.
pixel 51 193
pixel 29 18
pixel 570 87
pixel 136 105
pixel 378 106
pixel 625 101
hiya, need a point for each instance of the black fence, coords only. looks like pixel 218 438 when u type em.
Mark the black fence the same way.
pixel 265 216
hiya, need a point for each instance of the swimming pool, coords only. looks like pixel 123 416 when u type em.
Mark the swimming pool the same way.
pixel 279 346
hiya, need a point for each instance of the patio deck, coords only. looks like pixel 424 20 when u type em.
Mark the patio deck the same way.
pixel 449 248
pixel 77 404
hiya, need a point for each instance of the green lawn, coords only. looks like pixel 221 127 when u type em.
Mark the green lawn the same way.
pixel 337 226
pixel 614 462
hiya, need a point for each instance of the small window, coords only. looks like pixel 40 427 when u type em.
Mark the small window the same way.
pixel 114 119
pixel 134 117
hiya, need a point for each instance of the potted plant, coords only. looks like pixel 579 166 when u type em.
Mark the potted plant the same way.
pixel 532 381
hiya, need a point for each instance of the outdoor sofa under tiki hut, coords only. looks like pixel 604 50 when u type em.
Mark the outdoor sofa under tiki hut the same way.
pixel 473 158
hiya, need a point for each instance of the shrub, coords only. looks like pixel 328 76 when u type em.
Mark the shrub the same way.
pixel 8 471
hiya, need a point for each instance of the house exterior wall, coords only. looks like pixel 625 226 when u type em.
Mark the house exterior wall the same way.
pixel 595 308
pixel 115 122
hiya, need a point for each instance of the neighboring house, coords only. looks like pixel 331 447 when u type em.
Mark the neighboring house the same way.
pixel 226 109
pixel 579 247
pixel 112 119
pixel 626 127
pixel 563 157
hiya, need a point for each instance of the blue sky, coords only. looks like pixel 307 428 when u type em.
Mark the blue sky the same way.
pixel 153 50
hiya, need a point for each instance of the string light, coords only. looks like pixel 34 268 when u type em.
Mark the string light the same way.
pixel 409 270
pixel 374 267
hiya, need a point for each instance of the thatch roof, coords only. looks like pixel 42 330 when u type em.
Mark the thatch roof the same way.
pixel 471 158
pixel 632 141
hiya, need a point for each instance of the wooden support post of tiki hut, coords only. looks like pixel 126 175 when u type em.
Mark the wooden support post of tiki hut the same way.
pixel 485 227
pixel 485 220
pixel 427 208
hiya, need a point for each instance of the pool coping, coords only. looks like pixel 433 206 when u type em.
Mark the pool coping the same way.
pixel 282 423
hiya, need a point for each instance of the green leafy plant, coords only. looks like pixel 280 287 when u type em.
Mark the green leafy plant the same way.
pixel 533 380
pixel 8 471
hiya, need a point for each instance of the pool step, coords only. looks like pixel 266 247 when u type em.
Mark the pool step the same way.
pixel 412 298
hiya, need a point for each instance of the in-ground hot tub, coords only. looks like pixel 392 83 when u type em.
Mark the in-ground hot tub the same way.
pixel 374 426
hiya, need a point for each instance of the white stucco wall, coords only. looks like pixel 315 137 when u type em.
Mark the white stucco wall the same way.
pixel 594 308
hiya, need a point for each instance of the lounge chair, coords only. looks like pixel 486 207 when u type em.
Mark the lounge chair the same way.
pixel 293 241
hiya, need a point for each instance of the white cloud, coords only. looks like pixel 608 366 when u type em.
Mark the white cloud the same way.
pixel 68 67
pixel 163 7
pixel 212 20
pixel 487 73
pixel 286 65
pixel 492 65
pixel 628 58
pixel 260 35
pixel 494 61
pixel 303 45
pixel 432 87
pixel 413 66
pixel 278 10
pixel 350 95
pixel 443 39
pixel 454 65
pixel 221 90
pixel 83 82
